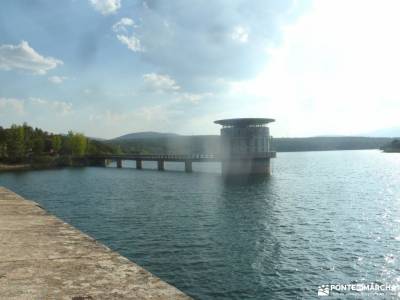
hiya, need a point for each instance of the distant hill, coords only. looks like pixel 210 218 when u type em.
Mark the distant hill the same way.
pixel 164 143
pixel 96 139
pixel 145 135
pixel 328 143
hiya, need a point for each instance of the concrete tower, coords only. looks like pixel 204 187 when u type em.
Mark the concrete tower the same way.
pixel 245 146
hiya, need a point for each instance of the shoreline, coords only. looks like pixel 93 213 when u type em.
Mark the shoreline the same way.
pixel 44 163
pixel 14 167
pixel 391 150
pixel 81 162
pixel 26 167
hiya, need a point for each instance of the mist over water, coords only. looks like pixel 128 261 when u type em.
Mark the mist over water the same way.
pixel 323 217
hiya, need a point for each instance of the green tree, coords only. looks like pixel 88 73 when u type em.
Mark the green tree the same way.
pixel 19 141
pixel 3 143
pixel 78 143
pixel 56 143
pixel 38 146
pixel 15 143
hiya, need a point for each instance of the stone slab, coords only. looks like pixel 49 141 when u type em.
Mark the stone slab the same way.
pixel 42 257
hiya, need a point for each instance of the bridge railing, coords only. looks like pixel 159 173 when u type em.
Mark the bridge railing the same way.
pixel 183 157
pixel 157 156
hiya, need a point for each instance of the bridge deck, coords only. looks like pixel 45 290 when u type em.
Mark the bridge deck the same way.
pixel 181 158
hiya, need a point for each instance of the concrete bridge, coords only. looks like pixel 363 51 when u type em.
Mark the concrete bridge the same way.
pixel 103 160
pixel 160 159
pixel 245 150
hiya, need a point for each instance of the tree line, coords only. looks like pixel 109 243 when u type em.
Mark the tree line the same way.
pixel 23 143
pixel 393 146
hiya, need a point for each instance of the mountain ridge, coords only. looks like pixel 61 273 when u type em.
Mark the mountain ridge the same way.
pixel 144 135
pixel 183 144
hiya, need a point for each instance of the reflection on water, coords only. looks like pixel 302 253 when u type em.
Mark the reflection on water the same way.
pixel 323 217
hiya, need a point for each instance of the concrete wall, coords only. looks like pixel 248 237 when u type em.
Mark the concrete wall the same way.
pixel 246 167
pixel 238 144
pixel 244 140
pixel 41 257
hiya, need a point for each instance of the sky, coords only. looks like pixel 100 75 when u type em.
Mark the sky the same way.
pixel 111 67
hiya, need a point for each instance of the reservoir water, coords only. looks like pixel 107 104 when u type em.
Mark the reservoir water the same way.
pixel 323 217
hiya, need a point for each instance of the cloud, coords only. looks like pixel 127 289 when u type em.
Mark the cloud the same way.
pixel 159 82
pixel 240 34
pixel 23 57
pixel 162 83
pixel 11 106
pixel 125 34
pixel 55 116
pixel 106 7
pixel 58 107
pixel 123 25
pixel 33 105
pixel 196 42
pixel 145 118
pixel 57 79
pixel 329 77
pixel 132 42
pixel 192 98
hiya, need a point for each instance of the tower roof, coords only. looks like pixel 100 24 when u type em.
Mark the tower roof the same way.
pixel 243 121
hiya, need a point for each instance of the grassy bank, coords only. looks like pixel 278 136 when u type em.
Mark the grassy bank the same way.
pixel 45 162
pixel 13 167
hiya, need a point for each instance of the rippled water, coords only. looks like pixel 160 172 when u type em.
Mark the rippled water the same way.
pixel 323 217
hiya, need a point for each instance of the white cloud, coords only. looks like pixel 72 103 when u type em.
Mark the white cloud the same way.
pixel 125 34
pixel 123 25
pixel 58 107
pixel 201 42
pixel 32 106
pixel 57 79
pixel 159 82
pixel 38 101
pixel 162 83
pixel 55 116
pixel 11 106
pixel 23 57
pixel 145 118
pixel 330 77
pixel 240 34
pixel 106 7
pixel 192 97
pixel 132 42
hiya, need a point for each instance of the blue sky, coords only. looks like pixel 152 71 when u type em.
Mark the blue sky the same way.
pixel 110 67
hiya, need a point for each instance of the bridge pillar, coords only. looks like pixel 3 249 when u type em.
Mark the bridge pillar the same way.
pixel 101 162
pixel 139 164
pixel 119 163
pixel 188 166
pixel 160 164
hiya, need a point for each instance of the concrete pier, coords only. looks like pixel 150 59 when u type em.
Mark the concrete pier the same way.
pixel 160 165
pixel 42 257
pixel 119 163
pixel 188 166
pixel 139 164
